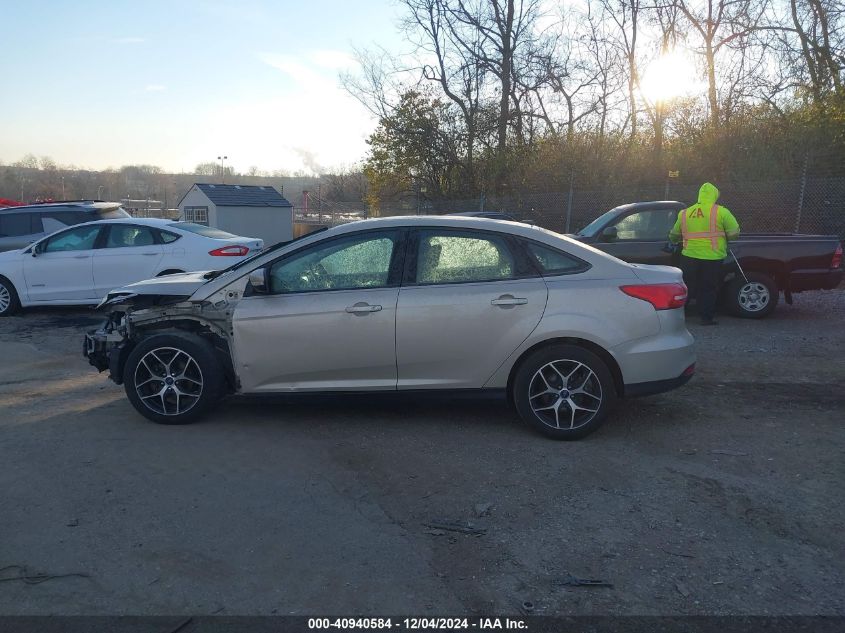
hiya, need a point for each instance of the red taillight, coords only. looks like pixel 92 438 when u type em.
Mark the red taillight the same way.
pixel 230 251
pixel 836 262
pixel 689 371
pixel 661 296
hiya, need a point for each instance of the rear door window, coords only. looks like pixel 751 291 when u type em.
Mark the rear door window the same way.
pixel 128 235
pixel 445 257
pixel 16 224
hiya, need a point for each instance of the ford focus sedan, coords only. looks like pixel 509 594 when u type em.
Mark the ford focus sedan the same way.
pixel 405 304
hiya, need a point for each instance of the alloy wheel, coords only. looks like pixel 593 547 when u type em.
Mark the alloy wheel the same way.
pixel 168 381
pixel 5 298
pixel 754 296
pixel 565 394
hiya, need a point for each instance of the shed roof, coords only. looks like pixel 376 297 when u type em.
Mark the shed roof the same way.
pixel 243 195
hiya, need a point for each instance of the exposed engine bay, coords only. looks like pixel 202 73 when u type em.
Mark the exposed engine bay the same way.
pixel 133 316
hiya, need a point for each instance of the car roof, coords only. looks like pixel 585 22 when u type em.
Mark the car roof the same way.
pixel 481 214
pixel 441 221
pixel 654 204
pixel 456 221
pixel 81 205
pixel 131 220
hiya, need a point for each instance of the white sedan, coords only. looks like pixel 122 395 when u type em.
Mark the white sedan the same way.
pixel 81 264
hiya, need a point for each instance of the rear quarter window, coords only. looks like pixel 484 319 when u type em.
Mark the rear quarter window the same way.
pixel 167 237
pixel 551 261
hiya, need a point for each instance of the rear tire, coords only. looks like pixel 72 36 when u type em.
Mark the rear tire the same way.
pixel 173 378
pixel 752 299
pixel 9 302
pixel 564 391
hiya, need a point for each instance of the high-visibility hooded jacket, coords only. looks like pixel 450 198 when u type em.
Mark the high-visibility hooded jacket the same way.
pixel 705 227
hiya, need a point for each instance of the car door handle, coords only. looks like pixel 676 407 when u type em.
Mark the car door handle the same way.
pixel 362 308
pixel 150 254
pixel 81 256
pixel 508 300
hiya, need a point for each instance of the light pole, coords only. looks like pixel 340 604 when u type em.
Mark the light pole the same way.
pixel 222 172
pixel 99 191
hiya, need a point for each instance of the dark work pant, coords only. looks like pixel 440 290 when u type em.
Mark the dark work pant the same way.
pixel 702 279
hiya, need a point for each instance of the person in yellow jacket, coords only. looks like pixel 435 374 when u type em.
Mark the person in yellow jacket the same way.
pixel 704 228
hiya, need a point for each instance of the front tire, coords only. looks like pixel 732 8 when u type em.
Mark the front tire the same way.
pixel 564 391
pixel 9 302
pixel 173 378
pixel 752 299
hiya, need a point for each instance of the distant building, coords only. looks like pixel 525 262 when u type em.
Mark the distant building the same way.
pixel 249 210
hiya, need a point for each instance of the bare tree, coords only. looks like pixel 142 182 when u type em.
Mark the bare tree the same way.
pixel 722 25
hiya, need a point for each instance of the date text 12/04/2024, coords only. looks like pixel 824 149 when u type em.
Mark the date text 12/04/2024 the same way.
pixel 417 623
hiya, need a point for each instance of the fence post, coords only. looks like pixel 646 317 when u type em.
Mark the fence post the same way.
pixel 801 194
pixel 569 201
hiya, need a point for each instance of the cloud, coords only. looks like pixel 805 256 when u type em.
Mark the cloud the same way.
pixel 129 40
pixel 306 77
pixel 154 88
pixel 332 59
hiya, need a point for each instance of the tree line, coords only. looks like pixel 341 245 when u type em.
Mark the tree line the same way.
pixel 37 179
pixel 498 96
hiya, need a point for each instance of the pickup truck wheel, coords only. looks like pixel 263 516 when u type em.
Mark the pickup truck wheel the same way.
pixel 564 391
pixel 755 298
pixel 9 302
pixel 172 378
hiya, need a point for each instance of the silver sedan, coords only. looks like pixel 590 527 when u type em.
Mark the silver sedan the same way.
pixel 406 304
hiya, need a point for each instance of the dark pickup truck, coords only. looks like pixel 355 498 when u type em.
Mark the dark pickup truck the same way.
pixel 772 262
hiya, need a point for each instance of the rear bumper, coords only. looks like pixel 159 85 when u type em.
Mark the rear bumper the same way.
pixel 657 359
pixel 815 280
pixel 658 386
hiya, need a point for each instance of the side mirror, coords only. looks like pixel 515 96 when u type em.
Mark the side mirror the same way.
pixel 37 248
pixel 609 234
pixel 258 281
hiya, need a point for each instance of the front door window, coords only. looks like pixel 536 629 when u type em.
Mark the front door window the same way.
pixel 355 262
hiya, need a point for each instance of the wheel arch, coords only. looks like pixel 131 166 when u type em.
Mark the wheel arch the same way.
pixel 203 330
pixel 598 350
pixel 16 295
pixel 170 271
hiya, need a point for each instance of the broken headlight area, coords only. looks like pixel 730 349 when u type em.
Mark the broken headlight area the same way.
pixel 107 346
pixel 103 346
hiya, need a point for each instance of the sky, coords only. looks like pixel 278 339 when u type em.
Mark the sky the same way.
pixel 99 84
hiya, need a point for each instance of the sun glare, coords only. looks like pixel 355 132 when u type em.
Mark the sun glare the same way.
pixel 670 76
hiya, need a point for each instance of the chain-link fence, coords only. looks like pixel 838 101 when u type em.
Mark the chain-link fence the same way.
pixel 811 205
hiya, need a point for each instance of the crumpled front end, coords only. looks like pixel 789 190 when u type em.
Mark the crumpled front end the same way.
pixel 133 316
pixel 108 346
pixel 104 346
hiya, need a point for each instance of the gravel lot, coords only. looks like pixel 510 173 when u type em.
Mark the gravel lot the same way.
pixel 724 497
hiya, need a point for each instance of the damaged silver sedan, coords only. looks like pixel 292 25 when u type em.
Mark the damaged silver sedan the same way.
pixel 405 304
